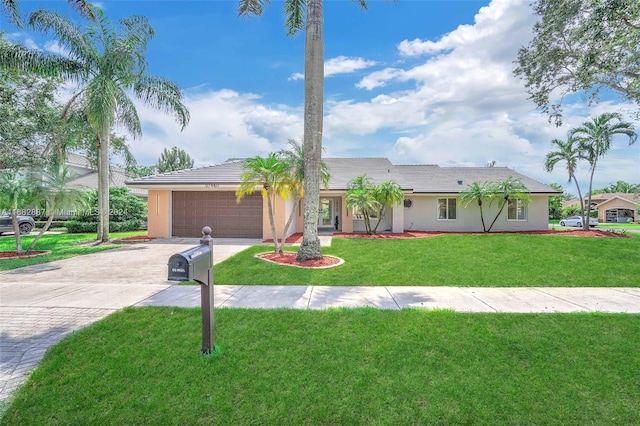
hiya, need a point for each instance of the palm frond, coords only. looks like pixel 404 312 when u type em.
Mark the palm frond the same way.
pixel 85 8
pixel 251 7
pixel 362 3
pixel 10 8
pixel 294 12
pixel 127 114
pixel 70 36
pixel 19 58
pixel 163 95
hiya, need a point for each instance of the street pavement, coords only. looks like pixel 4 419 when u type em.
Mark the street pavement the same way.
pixel 41 304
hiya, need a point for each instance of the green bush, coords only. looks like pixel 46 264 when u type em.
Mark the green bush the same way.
pixel 75 226
pixel 54 224
pixel 123 207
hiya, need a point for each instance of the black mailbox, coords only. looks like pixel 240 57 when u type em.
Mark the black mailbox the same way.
pixel 190 264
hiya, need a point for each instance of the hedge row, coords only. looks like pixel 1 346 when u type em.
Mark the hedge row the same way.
pixel 76 227
pixel 55 224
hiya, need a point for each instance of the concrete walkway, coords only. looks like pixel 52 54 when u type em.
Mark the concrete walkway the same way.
pixel 43 303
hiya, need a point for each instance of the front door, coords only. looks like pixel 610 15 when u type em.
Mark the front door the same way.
pixel 326 213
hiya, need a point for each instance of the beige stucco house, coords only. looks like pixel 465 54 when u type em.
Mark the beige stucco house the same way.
pixel 615 207
pixel 180 203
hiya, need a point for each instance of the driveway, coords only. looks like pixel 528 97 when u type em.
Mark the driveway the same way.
pixel 43 303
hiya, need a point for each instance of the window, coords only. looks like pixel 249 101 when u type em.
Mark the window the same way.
pixel 447 208
pixel 517 210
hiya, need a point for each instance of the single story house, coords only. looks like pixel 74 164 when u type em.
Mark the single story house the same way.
pixel 180 203
pixel 614 207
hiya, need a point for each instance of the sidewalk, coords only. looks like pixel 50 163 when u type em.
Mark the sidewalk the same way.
pixel 463 299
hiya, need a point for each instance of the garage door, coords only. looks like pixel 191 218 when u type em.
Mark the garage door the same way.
pixel 191 210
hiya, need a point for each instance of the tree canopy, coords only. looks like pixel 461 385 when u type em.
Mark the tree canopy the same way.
pixel 174 159
pixel 581 45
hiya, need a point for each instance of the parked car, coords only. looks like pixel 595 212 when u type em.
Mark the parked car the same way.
pixel 577 221
pixel 25 223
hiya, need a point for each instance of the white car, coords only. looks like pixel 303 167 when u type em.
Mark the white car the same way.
pixel 577 221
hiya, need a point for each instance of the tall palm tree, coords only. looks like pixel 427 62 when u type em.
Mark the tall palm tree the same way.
pixel 594 139
pixel 295 11
pixel 111 63
pixel 272 174
pixel 294 157
pixel 569 152
pixel 477 192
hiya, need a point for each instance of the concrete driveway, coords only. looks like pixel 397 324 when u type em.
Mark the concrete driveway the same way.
pixel 43 303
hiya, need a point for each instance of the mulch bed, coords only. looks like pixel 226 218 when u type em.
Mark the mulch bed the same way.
pixel 289 259
pixel 14 255
pixel 135 239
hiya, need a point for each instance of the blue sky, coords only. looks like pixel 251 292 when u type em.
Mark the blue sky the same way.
pixel 419 82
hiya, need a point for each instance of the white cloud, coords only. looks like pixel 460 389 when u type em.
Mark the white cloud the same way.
pixel 339 65
pixel 223 124
pixel 53 46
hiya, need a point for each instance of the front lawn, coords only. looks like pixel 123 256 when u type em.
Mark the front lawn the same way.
pixel 61 246
pixel 496 260
pixel 347 367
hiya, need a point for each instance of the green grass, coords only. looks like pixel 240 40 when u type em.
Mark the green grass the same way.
pixel 62 246
pixel 601 226
pixel 363 366
pixel 496 260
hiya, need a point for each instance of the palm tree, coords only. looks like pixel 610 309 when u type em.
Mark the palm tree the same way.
pixel 361 196
pixel 295 11
pixel 111 63
pixel 55 194
pixel 294 157
pixel 507 191
pixel 272 174
pixel 594 139
pixel 570 153
pixel 388 193
pixel 477 192
pixel 16 190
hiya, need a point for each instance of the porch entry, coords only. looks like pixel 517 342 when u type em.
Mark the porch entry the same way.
pixel 329 214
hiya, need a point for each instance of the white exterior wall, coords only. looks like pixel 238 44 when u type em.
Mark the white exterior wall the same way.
pixel 423 216
pixel 289 206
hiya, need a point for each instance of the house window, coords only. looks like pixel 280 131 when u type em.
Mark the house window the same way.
pixel 517 210
pixel 447 208
pixel 357 213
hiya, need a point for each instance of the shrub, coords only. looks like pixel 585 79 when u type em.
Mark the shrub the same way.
pixel 123 207
pixel 76 227
pixel 54 224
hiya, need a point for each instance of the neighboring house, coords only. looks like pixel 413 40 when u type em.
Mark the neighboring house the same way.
pixel 615 207
pixel 87 175
pixel 180 203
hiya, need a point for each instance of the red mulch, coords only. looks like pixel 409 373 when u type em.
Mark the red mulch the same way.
pixel 288 258
pixel 14 255
pixel 426 234
pixel 136 239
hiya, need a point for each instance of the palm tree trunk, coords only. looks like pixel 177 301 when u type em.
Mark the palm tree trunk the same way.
pixel 103 187
pixel 484 228
pixel 585 218
pixel 506 201
pixel 52 209
pixel 296 198
pixel 271 222
pixel 313 116
pixel 579 195
pixel 16 230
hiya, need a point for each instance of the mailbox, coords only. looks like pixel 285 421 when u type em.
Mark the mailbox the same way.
pixel 190 264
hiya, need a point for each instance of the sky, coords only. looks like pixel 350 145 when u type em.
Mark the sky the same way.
pixel 418 82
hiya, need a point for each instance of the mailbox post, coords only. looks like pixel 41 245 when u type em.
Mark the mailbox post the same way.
pixel 196 264
pixel 206 297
